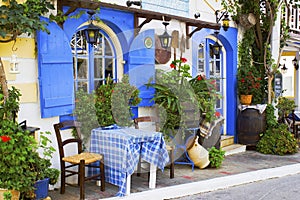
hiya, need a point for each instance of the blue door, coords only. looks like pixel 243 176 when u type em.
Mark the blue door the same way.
pixel 214 70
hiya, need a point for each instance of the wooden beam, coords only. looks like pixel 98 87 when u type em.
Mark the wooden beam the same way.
pixel 139 13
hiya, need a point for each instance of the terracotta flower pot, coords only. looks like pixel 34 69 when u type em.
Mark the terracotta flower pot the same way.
pixel 246 99
pixel 15 194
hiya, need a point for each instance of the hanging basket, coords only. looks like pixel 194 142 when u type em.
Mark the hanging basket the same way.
pixel 246 99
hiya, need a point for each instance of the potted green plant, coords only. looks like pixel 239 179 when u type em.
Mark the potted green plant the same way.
pixel 172 93
pixel 207 96
pixel 250 74
pixel 109 104
pixel 16 147
pixel 124 96
pixel 285 107
pixel 85 112
pixel 20 166
pixel 216 157
pixel 103 103
pixel 249 83
pixel 176 90
pixel 41 166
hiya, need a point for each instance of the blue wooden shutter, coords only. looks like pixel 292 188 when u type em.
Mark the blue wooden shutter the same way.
pixel 141 65
pixel 55 72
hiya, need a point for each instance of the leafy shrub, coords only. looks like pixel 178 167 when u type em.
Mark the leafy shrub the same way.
pixel 85 112
pixel 285 106
pixel 123 97
pixel 103 103
pixel 270 117
pixel 216 157
pixel 277 140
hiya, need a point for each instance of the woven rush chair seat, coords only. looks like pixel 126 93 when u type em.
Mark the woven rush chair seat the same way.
pixel 168 147
pixel 87 157
pixel 76 164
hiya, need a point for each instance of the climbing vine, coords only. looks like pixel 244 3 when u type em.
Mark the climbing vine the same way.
pixel 265 14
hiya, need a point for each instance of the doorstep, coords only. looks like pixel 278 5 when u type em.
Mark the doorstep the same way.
pixel 234 149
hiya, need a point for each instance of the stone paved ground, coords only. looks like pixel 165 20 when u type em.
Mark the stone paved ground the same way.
pixel 233 164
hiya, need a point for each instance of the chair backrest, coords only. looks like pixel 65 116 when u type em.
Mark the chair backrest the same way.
pixel 77 138
pixel 146 119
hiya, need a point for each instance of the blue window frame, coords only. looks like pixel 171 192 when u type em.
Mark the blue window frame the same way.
pixel 92 64
pixel 210 65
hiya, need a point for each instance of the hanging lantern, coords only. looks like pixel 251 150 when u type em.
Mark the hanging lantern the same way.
pixel 225 23
pixel 91 32
pixel 165 38
pixel 295 63
pixel 216 48
pixel 284 69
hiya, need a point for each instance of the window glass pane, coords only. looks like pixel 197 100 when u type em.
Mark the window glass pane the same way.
pixel 218 64
pixel 218 104
pixel 98 68
pixel 98 48
pixel 78 44
pixel 211 68
pixel 102 64
pixel 109 68
pixel 82 68
pixel 108 50
pixel 218 85
pixel 82 85
pixel 201 67
pixel 201 51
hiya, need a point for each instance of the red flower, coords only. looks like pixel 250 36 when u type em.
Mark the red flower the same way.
pixel 5 138
pixel 243 80
pixel 199 78
pixel 172 65
pixel 213 82
pixel 217 114
pixel 183 60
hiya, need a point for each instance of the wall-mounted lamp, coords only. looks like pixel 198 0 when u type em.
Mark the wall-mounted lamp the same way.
pixel 216 48
pixel 197 15
pixel 14 64
pixel 295 63
pixel 225 22
pixel 91 32
pixel 165 38
pixel 136 3
pixel 284 69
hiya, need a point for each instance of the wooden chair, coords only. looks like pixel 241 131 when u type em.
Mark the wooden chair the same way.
pixel 81 159
pixel 139 120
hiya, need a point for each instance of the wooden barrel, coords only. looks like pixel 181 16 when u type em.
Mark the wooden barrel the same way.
pixel 250 124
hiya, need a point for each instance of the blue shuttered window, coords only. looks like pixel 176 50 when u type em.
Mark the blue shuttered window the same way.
pixel 55 72
pixel 142 65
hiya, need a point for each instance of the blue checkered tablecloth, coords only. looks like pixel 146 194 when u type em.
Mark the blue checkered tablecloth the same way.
pixel 121 149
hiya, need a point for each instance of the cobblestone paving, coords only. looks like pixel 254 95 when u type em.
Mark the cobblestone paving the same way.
pixel 233 164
